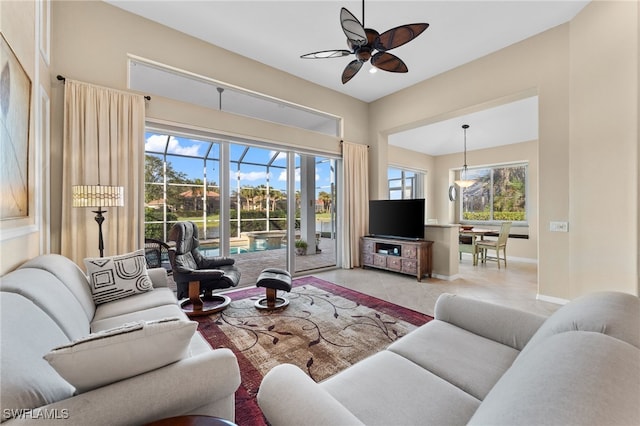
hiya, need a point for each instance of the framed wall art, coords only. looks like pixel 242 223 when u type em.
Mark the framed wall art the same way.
pixel 15 107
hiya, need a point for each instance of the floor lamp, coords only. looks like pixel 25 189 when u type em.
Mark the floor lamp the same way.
pixel 98 196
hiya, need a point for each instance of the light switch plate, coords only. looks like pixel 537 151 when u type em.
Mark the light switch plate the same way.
pixel 559 226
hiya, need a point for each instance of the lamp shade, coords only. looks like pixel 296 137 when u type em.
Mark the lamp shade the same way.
pixel 97 196
pixel 463 183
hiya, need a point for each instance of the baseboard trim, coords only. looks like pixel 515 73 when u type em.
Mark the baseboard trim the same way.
pixel 523 259
pixel 509 259
pixel 551 299
pixel 446 277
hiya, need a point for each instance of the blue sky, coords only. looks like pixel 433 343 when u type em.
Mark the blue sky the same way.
pixel 192 151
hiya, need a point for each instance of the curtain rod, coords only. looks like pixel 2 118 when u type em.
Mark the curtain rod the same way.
pixel 63 79
pixel 341 142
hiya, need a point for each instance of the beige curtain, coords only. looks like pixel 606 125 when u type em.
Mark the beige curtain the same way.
pixel 356 201
pixel 103 130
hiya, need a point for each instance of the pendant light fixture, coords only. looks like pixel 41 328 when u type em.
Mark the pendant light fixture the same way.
pixel 220 90
pixel 463 182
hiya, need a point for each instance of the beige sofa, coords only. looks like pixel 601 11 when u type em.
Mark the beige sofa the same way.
pixel 47 303
pixel 482 364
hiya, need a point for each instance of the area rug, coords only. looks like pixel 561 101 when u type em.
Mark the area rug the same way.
pixel 325 329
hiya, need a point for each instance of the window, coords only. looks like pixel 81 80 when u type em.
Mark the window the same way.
pixel 180 184
pixel 498 194
pixel 158 79
pixel 404 184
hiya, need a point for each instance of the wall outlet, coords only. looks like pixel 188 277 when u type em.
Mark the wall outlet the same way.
pixel 559 226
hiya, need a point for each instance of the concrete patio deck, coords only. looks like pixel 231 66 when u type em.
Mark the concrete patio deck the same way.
pixel 251 264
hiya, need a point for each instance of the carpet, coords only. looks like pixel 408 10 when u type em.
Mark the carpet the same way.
pixel 325 329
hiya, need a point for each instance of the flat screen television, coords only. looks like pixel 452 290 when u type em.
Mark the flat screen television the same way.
pixel 402 219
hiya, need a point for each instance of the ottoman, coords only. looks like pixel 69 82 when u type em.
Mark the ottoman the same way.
pixel 273 279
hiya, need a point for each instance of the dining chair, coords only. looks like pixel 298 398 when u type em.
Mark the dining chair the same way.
pixel 467 244
pixel 500 243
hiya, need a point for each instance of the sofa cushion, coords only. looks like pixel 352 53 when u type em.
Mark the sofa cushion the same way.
pixel 466 360
pixel 112 355
pixel 612 313
pixel 26 380
pixel 117 277
pixel 501 324
pixel 163 311
pixel 52 296
pixel 138 302
pixel 572 378
pixel 70 275
pixel 387 389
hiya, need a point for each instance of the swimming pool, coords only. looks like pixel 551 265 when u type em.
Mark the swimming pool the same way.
pixel 215 251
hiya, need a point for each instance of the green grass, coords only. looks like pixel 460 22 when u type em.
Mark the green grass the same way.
pixel 324 217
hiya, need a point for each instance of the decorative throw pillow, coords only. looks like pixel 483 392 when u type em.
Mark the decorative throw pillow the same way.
pixel 117 277
pixel 122 352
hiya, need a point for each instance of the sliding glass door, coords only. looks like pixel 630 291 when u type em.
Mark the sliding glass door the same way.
pixel 316 211
pixel 259 205
pixel 258 209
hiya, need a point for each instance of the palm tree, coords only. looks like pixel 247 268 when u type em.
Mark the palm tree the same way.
pixel 275 195
pixel 325 197
pixel 260 195
pixel 248 193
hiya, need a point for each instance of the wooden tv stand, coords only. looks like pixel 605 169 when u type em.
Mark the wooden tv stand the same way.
pixel 412 257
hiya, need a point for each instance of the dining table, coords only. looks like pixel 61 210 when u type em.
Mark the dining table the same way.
pixel 474 233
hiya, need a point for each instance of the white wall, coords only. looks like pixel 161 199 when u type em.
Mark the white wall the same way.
pixel 603 149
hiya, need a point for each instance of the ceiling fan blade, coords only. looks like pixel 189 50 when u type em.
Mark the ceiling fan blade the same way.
pixel 352 28
pixel 398 36
pixel 326 54
pixel 351 70
pixel 388 62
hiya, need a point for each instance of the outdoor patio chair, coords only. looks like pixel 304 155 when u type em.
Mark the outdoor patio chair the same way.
pixel 156 253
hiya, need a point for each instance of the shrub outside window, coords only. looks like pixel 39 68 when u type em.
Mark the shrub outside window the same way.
pixel 498 194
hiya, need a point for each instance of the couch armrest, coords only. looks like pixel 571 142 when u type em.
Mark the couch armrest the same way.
pixel 169 391
pixel 287 396
pixel 158 277
pixel 505 325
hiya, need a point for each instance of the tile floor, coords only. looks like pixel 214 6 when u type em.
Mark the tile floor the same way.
pixel 514 286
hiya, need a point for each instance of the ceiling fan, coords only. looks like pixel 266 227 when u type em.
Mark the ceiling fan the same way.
pixel 364 41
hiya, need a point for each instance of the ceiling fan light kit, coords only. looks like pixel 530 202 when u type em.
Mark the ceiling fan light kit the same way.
pixel 363 42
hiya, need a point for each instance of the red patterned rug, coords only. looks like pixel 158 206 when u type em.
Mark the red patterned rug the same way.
pixel 325 329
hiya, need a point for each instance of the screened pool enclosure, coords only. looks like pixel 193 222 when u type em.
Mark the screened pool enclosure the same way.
pixel 248 201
